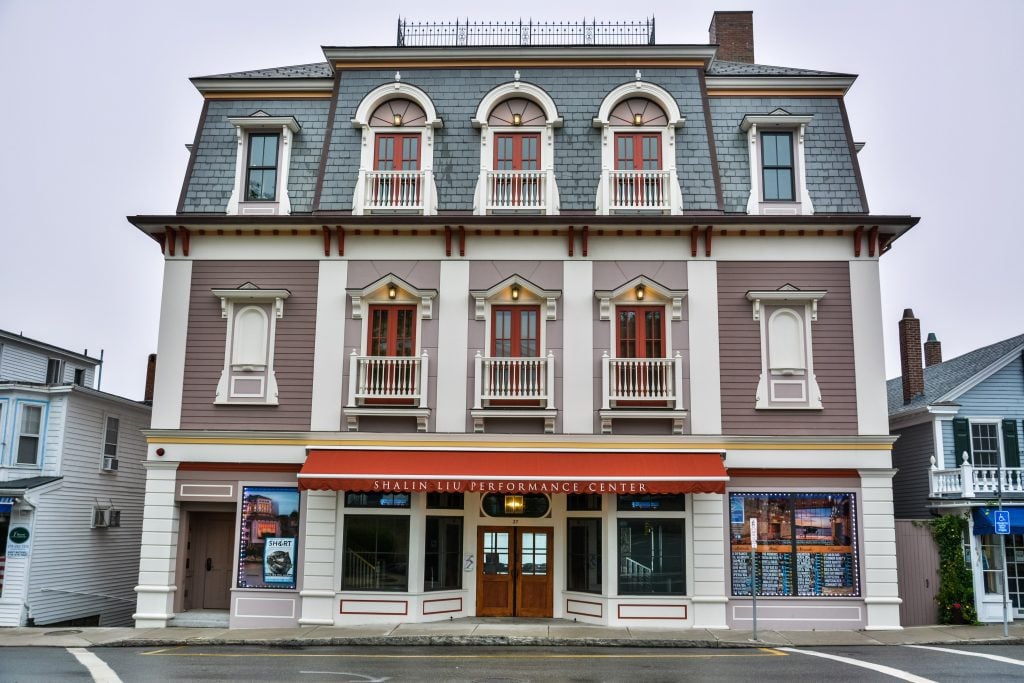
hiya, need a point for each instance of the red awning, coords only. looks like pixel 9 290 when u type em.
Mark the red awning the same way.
pixel 513 471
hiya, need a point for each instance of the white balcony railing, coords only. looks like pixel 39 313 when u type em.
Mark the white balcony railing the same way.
pixel 394 191
pixel 512 381
pixel 387 378
pixel 971 481
pixel 639 190
pixel 517 190
pixel 642 381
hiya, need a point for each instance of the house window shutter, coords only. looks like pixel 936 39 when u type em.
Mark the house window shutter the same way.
pixel 1011 444
pixel 961 439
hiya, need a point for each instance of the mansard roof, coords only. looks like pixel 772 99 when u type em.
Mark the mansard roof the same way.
pixel 942 378
pixel 719 67
pixel 315 70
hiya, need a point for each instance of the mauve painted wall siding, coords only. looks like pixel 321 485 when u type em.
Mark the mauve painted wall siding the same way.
pixel 740 348
pixel 293 353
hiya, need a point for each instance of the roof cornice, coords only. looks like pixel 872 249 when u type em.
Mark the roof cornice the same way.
pixel 17 338
pixel 737 84
pixel 234 86
pixel 599 54
pixel 980 376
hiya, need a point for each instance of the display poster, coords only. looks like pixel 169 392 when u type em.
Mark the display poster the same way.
pixel 279 560
pixel 806 544
pixel 268 537
pixel 18 544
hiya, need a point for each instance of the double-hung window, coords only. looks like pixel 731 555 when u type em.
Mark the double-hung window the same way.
pixel 261 167
pixel 110 436
pixel 30 435
pixel 777 167
pixel 985 444
pixel 54 371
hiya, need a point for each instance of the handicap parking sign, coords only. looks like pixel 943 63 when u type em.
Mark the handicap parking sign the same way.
pixel 1002 521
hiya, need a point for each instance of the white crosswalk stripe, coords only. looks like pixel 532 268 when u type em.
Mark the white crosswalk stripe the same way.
pixel 994 658
pixel 98 669
pixel 887 670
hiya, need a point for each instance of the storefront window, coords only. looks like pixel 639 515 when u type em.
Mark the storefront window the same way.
pixel 354 499
pixel 806 544
pixel 584 546
pixel 991 564
pixel 446 501
pixel 376 553
pixel 515 505
pixel 651 502
pixel 268 537
pixel 442 563
pixel 583 502
pixel 651 557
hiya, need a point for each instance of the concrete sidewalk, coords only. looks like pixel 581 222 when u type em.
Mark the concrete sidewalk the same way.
pixel 477 631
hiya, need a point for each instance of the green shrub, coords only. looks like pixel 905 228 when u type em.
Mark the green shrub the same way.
pixel 956 584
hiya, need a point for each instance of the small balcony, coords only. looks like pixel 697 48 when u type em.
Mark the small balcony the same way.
pixel 642 388
pixel 519 192
pixel 404 192
pixel 514 387
pixel 640 192
pixel 387 386
pixel 974 481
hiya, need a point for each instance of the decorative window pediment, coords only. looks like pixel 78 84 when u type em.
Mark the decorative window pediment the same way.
pixel 641 290
pixel 517 290
pixel 391 289
pixel 787 358
pixel 252 314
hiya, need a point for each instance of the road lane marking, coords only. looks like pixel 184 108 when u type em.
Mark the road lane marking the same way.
pixel 994 658
pixel 178 652
pixel 98 669
pixel 362 678
pixel 887 670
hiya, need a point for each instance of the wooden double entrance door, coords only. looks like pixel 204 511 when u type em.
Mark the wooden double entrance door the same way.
pixel 514 572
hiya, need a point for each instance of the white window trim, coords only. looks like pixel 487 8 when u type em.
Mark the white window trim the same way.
pixel 790 297
pixel 779 121
pixel 20 404
pixel 229 299
pixel 261 122
pixel 539 96
pixel 376 294
pixel 361 120
pixel 667 102
pixel 986 420
pixel 103 444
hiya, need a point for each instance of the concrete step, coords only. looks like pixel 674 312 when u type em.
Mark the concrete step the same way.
pixel 204 618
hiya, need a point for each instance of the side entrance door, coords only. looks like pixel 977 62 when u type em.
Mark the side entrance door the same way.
pixel 209 560
pixel 514 572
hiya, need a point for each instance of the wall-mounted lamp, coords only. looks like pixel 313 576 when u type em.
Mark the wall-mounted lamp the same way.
pixel 514 504
pixel 515 292
pixel 392 291
pixel 640 291
pixel 638 119
pixel 517 119
pixel 398 119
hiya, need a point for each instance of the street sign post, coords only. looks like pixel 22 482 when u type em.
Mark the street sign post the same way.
pixel 753 573
pixel 1002 525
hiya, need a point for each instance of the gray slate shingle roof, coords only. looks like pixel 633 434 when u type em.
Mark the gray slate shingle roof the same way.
pixel 25 484
pixel 942 378
pixel 721 67
pixel 316 70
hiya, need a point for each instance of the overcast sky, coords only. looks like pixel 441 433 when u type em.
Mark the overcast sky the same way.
pixel 97 108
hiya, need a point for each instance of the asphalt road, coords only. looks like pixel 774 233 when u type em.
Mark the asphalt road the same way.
pixel 510 664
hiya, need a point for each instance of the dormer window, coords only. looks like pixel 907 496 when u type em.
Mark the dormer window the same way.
pixel 261 165
pixel 517 122
pixel 638 122
pixel 778 180
pixel 396 166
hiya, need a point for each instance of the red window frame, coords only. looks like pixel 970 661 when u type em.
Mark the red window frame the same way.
pixel 638 156
pixel 397 160
pixel 390 314
pixel 645 344
pixel 519 160
pixel 515 336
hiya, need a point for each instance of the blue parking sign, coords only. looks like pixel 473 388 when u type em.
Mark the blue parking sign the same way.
pixel 1002 522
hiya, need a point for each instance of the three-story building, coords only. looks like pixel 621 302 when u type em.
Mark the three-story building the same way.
pixel 524 322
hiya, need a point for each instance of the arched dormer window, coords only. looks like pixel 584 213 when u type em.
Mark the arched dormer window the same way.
pixel 638 151
pixel 516 123
pixel 396 161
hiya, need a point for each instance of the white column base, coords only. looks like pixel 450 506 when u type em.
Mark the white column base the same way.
pixel 155 606
pixel 883 614
pixel 709 611
pixel 317 608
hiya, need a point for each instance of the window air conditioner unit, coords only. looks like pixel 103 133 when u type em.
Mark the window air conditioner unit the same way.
pixel 101 518
pixel 114 518
pixel 109 463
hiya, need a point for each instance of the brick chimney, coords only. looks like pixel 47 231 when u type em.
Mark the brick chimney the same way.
pixel 932 351
pixel 733 32
pixel 147 393
pixel 910 356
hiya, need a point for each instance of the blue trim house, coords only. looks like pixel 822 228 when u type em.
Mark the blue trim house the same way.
pixel 960 426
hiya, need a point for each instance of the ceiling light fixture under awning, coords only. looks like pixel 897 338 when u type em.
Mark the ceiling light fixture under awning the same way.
pixel 513 471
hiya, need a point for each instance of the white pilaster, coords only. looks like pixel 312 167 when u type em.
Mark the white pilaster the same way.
pixel 170 347
pixel 453 343
pixel 328 352
pixel 709 597
pixel 705 379
pixel 318 570
pixel 868 348
pixel 159 553
pixel 578 363
pixel 878 534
